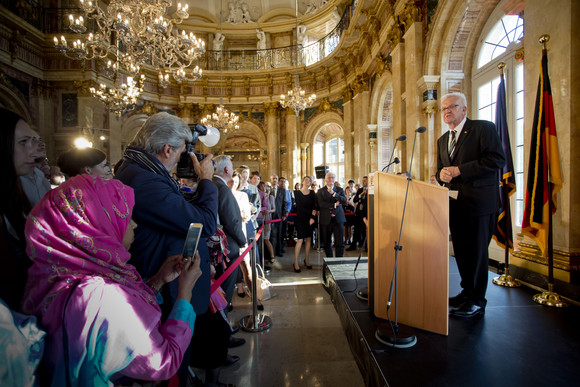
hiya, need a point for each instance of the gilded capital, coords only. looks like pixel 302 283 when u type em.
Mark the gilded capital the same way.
pixel 410 14
pixel 271 108
pixel 347 93
pixel 84 88
pixel 394 35
pixel 324 105
pixel 382 65
pixel 362 83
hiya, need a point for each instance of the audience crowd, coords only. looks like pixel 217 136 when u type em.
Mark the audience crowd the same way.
pixel 95 264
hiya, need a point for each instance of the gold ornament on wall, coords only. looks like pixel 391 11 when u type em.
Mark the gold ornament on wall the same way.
pixel 519 55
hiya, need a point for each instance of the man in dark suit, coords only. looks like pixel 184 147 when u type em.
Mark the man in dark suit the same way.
pixel 360 229
pixel 280 212
pixel 330 199
pixel 469 157
pixel 230 218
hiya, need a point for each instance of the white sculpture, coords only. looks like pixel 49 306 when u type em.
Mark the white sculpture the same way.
pixel 246 17
pixel 313 5
pixel 335 17
pixel 238 13
pixel 218 41
pixel 301 34
pixel 261 39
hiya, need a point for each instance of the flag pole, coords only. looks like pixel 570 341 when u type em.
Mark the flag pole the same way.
pixel 549 298
pixel 505 279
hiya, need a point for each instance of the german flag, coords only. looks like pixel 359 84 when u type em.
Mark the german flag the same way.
pixel 544 175
pixel 503 231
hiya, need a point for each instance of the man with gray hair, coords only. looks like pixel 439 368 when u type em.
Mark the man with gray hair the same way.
pixel 330 199
pixel 162 213
pixel 469 157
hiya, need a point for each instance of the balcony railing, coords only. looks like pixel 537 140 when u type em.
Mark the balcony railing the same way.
pixel 55 21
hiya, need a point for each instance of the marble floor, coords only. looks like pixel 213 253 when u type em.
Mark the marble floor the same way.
pixel 306 344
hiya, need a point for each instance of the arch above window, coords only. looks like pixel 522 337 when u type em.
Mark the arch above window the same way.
pixel 508 30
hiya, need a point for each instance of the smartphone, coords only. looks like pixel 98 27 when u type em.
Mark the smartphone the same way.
pixel 192 239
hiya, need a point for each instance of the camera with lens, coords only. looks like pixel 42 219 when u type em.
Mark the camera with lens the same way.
pixel 185 168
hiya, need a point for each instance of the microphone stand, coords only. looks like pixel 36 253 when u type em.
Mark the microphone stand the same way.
pixel 395 161
pixel 402 137
pixel 399 335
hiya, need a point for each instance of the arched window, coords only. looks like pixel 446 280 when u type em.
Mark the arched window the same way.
pixel 502 39
pixel 385 128
pixel 329 150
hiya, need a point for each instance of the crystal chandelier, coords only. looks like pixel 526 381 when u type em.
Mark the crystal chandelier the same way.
pixel 133 33
pixel 296 98
pixel 123 97
pixel 222 119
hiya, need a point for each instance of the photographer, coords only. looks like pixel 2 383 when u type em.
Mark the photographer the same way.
pixel 164 215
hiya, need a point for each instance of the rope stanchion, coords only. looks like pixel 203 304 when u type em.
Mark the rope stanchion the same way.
pixel 255 322
pixel 233 266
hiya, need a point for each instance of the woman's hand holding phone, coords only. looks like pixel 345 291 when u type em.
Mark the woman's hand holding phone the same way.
pixel 189 276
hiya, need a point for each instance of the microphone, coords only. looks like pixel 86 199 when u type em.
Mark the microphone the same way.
pixel 395 161
pixel 420 129
pixel 402 137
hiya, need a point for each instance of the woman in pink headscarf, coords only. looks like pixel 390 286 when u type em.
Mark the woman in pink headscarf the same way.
pixel 103 321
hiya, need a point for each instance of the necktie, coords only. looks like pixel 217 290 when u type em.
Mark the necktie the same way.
pixel 452 145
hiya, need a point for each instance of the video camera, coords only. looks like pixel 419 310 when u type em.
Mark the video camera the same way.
pixel 207 135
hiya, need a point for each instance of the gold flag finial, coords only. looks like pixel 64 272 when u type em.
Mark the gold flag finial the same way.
pixel 501 66
pixel 543 40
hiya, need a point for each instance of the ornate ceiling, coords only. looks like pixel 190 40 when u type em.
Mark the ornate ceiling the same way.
pixel 274 16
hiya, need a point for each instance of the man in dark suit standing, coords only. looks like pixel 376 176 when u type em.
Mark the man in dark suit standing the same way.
pixel 469 157
pixel 280 212
pixel 330 199
pixel 230 218
pixel 360 229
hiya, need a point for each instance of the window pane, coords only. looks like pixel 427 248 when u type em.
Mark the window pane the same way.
pixel 318 153
pixel 485 114
pixel 484 96
pixel 520 132
pixel 519 159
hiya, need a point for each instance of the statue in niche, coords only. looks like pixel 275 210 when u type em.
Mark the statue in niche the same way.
pixel 218 44
pixel 261 46
pixel 261 35
pixel 301 35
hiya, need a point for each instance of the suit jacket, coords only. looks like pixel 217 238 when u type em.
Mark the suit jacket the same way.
pixel 281 211
pixel 479 156
pixel 360 201
pixel 230 218
pixel 326 203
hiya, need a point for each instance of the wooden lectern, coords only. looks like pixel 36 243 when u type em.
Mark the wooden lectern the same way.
pixel 423 262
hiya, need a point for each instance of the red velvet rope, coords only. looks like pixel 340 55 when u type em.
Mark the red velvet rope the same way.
pixel 236 263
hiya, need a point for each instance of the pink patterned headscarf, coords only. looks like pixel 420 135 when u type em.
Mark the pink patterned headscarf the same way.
pixel 76 231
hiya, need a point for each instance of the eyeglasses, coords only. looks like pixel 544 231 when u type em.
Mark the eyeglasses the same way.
pixel 448 108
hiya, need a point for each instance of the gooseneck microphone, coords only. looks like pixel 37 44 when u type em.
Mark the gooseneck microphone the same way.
pixel 420 129
pixel 395 161
pixel 402 137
